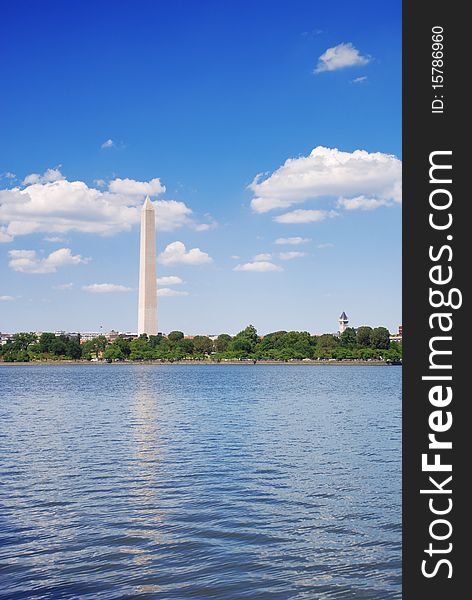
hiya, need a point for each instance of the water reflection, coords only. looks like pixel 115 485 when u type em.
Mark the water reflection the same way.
pixel 148 457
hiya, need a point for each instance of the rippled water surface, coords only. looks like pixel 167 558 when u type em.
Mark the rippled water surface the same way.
pixel 200 481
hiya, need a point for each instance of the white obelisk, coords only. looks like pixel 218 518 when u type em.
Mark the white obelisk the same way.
pixel 147 308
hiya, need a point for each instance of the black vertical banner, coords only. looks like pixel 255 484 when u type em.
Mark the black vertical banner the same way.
pixel 436 261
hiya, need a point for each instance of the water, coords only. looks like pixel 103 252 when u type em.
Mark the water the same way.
pixel 200 481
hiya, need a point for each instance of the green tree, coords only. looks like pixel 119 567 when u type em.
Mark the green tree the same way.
pixel 45 341
pixel 250 333
pixel 244 343
pixel 175 336
pixel 141 349
pixel 364 335
pixel 186 347
pixel 327 341
pixel 113 352
pixel 271 341
pixel 74 349
pixel 392 353
pixel 380 338
pixel 155 340
pixel 124 345
pixel 348 338
pixel 18 355
pixel 58 346
pixel 222 342
pixel 296 344
pixel 21 341
pixel 95 346
pixel 202 344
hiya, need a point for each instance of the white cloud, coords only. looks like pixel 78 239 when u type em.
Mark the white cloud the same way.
pixel 130 187
pixel 212 224
pixel 262 257
pixel 176 253
pixel 8 175
pixel 362 203
pixel 26 261
pixel 325 245
pixel 362 79
pixel 108 144
pixel 305 216
pixel 48 176
pixel 61 206
pixel 166 292
pixel 106 288
pixel 4 236
pixel 63 286
pixel 291 255
pixel 100 182
pixel 171 214
pixel 235 257
pixel 169 280
pixel 258 267
pixel 328 172
pixel 54 238
pixel 339 57
pixel 294 241
pixel 7 298
pixel 204 226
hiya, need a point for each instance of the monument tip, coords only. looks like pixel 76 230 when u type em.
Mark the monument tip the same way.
pixel 148 204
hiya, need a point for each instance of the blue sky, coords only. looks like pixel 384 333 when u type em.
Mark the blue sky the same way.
pixel 203 97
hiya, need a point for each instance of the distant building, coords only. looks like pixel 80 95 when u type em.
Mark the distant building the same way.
pixel 131 336
pixel 5 337
pixel 87 336
pixel 69 334
pixel 398 337
pixel 343 322
pixel 112 335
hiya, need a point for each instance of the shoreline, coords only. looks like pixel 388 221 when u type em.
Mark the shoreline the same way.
pixel 344 363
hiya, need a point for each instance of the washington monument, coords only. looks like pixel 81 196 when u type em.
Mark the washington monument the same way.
pixel 147 306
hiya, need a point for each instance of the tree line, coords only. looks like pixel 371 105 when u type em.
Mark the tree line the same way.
pixel 363 343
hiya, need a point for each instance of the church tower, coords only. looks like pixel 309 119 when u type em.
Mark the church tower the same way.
pixel 343 322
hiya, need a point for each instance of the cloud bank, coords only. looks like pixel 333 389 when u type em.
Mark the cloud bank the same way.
pixel 51 204
pixel 328 173
pixel 27 261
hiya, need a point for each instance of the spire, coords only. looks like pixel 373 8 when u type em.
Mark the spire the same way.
pixel 148 205
pixel 343 317
pixel 147 303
